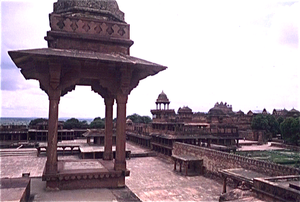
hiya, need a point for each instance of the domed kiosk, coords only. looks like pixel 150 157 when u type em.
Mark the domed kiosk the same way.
pixel 162 99
pixel 88 44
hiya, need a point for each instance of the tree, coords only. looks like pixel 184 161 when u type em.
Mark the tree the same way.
pixel 84 124
pixel 98 123
pixel 71 123
pixel 265 122
pixel 290 130
pixel 135 118
pixel 259 122
pixel 74 123
pixel 36 121
pixel 273 125
pixel 147 119
pixel 280 120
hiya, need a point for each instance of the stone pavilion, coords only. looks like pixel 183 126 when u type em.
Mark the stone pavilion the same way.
pixel 88 44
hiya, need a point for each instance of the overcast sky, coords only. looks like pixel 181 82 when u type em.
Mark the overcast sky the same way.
pixel 245 53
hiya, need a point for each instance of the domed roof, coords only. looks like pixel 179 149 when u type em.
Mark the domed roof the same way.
pixel 185 109
pixel 216 112
pixel 240 112
pixel 93 8
pixel 294 110
pixel 162 98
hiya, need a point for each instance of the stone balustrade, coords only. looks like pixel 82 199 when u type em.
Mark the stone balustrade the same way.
pixel 214 161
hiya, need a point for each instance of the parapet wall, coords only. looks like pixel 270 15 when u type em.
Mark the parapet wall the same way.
pixel 215 161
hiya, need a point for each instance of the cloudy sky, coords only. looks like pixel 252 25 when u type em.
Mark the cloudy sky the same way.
pixel 242 52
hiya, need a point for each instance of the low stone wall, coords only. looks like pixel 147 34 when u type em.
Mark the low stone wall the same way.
pixel 214 161
pixel 269 190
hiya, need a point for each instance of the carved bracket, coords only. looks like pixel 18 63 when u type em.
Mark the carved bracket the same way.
pixel 54 75
pixel 125 80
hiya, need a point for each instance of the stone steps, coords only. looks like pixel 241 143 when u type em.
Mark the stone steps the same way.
pixel 17 152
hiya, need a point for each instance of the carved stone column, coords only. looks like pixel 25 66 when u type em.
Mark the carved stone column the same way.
pixel 108 154
pixel 120 162
pixel 54 92
pixel 51 164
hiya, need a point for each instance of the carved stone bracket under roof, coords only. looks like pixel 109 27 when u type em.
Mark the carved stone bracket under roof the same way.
pixel 84 68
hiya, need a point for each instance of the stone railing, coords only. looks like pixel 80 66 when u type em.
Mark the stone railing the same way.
pixel 214 161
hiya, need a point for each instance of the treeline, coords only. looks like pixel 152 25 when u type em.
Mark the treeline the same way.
pixel 98 122
pixel 289 128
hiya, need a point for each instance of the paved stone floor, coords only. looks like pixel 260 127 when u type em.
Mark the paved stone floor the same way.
pixel 151 179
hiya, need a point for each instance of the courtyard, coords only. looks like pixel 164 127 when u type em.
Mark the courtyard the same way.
pixel 151 179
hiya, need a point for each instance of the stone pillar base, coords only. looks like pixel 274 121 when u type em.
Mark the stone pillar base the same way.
pixel 52 185
pixel 85 181
pixel 89 178
pixel 120 166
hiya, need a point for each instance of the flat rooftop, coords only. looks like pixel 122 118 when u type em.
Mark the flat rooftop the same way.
pixel 151 179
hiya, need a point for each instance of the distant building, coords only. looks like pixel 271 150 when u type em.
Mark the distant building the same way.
pixel 194 128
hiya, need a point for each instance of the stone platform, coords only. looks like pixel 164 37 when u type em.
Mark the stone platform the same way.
pixel 15 189
pixel 97 152
pixel 84 174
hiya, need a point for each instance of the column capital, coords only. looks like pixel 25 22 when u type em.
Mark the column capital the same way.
pixel 122 98
pixel 54 94
pixel 109 101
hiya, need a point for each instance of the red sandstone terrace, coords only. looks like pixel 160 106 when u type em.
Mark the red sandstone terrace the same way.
pixel 86 46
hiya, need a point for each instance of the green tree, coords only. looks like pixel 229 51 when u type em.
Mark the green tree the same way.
pixel 98 123
pixel 71 123
pixel 280 120
pixel 36 121
pixel 139 119
pixel 273 125
pixel 290 130
pixel 146 119
pixel 84 124
pixel 259 122
pixel 265 122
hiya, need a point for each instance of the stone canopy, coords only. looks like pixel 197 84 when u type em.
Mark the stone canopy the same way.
pixel 88 44
pixel 94 69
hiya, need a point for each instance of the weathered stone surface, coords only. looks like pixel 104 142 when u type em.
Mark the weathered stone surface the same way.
pixel 98 8
pixel 83 164
pixel 15 189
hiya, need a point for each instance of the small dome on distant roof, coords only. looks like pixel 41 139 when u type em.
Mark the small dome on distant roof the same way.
pixel 185 109
pixel 162 98
pixel 240 112
pixel 294 110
